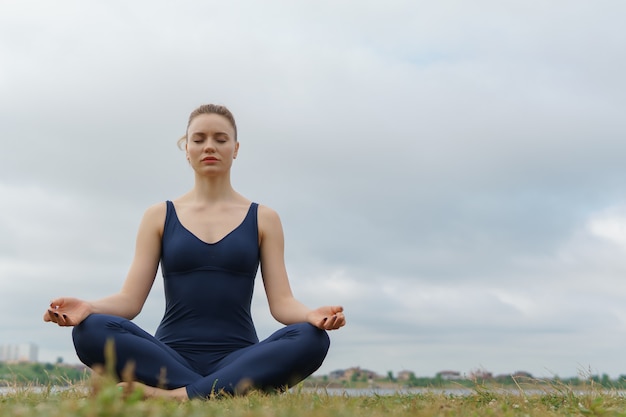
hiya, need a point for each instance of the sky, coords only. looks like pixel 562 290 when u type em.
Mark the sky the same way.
pixel 450 172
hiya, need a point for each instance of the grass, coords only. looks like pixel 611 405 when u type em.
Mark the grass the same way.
pixel 103 399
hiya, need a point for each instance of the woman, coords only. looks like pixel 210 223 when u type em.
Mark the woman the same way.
pixel 210 243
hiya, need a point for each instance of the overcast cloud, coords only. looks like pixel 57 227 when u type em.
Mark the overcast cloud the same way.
pixel 451 172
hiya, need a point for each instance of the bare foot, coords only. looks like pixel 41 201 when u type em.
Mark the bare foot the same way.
pixel 179 394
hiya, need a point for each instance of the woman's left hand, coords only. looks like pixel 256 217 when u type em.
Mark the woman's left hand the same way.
pixel 327 317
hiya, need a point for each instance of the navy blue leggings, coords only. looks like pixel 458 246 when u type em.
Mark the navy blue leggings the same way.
pixel 283 359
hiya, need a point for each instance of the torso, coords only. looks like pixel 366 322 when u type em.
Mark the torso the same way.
pixel 209 260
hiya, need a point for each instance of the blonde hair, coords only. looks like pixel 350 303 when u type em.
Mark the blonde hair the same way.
pixel 208 109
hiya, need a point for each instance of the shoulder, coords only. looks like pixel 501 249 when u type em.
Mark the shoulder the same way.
pixel 269 221
pixel 156 210
pixel 154 216
pixel 267 214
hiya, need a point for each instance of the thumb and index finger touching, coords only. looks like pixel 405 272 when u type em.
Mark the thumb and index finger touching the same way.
pixel 57 302
pixel 336 309
pixel 52 313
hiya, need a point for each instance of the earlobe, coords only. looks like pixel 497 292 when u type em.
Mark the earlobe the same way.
pixel 236 151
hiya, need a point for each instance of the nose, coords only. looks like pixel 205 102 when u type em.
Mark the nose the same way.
pixel 209 146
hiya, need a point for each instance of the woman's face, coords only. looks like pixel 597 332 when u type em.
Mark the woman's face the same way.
pixel 211 145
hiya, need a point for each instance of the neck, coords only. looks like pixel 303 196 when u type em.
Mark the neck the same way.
pixel 213 189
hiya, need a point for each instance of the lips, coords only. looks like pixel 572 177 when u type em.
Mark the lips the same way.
pixel 209 159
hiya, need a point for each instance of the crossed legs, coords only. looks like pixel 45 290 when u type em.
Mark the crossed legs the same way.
pixel 283 359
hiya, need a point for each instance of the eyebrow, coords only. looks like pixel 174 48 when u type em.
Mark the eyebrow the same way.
pixel 203 134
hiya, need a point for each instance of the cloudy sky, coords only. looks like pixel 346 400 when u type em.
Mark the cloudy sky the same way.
pixel 450 172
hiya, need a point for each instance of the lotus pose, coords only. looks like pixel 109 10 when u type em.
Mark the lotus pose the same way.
pixel 210 243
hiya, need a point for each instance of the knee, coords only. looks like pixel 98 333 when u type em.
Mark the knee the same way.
pixel 316 340
pixel 90 328
pixel 314 345
pixel 91 334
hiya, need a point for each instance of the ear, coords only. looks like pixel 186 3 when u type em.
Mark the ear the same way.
pixel 236 150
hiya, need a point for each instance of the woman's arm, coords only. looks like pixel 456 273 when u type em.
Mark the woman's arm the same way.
pixel 129 301
pixel 283 305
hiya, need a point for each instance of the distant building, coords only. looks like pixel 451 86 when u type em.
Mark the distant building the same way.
pixel 449 375
pixel 405 375
pixel 357 372
pixel 26 352
pixel 338 374
pixel 353 373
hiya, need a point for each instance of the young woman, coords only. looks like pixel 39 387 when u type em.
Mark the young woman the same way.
pixel 210 243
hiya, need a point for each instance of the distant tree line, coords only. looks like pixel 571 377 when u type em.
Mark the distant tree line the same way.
pixel 510 380
pixel 59 374
pixel 363 380
pixel 12 374
pixel 604 380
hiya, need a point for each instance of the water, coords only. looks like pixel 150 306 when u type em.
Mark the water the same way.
pixel 35 389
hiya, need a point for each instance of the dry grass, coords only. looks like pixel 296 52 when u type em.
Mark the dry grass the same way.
pixel 102 398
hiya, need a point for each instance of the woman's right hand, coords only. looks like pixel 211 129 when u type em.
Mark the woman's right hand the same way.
pixel 67 311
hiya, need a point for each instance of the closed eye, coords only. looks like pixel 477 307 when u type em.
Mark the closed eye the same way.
pixel 221 137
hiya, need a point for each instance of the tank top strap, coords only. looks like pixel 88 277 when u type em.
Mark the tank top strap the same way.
pixel 251 221
pixel 254 207
pixel 169 212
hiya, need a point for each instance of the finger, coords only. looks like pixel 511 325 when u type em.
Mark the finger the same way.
pixel 322 323
pixel 62 319
pixel 58 318
pixel 330 323
pixel 336 309
pixel 56 303
pixel 339 321
pixel 53 316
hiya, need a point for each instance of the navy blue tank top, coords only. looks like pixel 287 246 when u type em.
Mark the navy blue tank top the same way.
pixel 208 287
